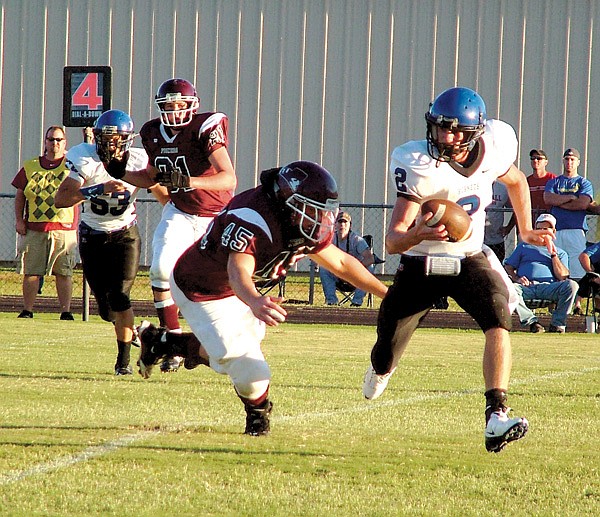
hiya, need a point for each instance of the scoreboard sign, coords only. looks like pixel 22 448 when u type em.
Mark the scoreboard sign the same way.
pixel 86 94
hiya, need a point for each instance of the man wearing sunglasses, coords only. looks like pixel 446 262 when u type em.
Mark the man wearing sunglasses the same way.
pixel 537 181
pixel 46 234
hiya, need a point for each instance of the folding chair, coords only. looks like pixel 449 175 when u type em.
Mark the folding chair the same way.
pixel 590 290
pixel 346 290
pixel 269 286
pixel 369 239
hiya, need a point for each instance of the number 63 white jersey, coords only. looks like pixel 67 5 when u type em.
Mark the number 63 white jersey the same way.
pixel 107 212
pixel 418 176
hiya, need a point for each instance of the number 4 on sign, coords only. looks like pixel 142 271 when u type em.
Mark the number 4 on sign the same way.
pixel 87 93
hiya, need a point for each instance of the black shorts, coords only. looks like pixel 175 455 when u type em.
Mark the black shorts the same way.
pixel 110 264
pixel 478 290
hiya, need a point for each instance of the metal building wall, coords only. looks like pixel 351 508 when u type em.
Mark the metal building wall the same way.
pixel 336 81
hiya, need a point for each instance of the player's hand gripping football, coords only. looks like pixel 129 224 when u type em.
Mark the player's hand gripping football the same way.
pixel 422 231
pixel 172 177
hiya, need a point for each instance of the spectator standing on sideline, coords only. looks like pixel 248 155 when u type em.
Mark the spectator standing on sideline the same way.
pixel 542 273
pixel 47 238
pixel 353 244
pixel 194 147
pixel 495 229
pixel 254 241
pixel 570 195
pixel 537 181
pixel 109 240
pixel 463 154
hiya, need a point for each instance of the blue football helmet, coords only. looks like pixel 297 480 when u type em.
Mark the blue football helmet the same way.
pixel 458 109
pixel 113 133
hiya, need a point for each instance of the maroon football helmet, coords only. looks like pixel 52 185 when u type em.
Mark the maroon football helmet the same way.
pixel 176 91
pixel 310 192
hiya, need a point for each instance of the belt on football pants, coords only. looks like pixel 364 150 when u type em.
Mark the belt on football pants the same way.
pixel 436 265
pixel 86 230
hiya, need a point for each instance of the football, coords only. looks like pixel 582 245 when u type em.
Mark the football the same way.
pixel 451 215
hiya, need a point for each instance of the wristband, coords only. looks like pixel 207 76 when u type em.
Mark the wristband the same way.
pixel 553 255
pixel 93 191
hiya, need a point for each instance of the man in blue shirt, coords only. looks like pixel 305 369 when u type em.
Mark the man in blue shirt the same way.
pixel 542 273
pixel 569 195
pixel 353 244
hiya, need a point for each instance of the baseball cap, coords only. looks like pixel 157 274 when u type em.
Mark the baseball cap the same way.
pixel 546 218
pixel 572 152
pixel 344 216
pixel 537 152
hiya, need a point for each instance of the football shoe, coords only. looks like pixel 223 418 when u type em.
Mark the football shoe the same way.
pixel 375 384
pixel 171 364
pixel 258 419
pixel 152 348
pixel 501 430
pixel 123 370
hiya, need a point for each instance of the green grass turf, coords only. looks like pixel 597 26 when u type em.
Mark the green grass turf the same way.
pixel 76 440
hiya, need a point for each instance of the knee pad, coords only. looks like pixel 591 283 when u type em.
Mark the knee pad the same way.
pixel 104 311
pixel 250 376
pixel 159 277
pixel 500 317
pixel 119 302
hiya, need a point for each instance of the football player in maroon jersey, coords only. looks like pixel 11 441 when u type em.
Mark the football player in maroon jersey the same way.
pixel 188 154
pixel 253 242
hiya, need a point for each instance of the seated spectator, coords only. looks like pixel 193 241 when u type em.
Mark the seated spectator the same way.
pixel 542 273
pixel 354 245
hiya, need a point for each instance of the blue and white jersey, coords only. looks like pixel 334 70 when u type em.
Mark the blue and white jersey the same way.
pixel 577 185
pixel 420 177
pixel 108 212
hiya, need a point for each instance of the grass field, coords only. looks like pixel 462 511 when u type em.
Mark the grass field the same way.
pixel 75 440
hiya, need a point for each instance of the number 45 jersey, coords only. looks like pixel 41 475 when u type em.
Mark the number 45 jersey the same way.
pixel 419 177
pixel 252 224
pixel 108 212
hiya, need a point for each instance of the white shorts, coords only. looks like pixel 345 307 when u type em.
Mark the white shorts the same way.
pixel 573 242
pixel 231 335
pixel 175 233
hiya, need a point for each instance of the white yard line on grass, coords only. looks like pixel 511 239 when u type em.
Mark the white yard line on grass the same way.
pixel 124 441
pixel 65 461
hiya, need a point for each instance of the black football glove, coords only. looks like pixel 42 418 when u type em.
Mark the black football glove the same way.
pixel 116 168
pixel 172 178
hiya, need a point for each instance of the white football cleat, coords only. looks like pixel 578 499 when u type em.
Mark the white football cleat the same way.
pixel 375 384
pixel 501 430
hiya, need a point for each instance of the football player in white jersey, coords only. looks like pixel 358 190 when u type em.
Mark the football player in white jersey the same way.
pixel 463 154
pixel 109 241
